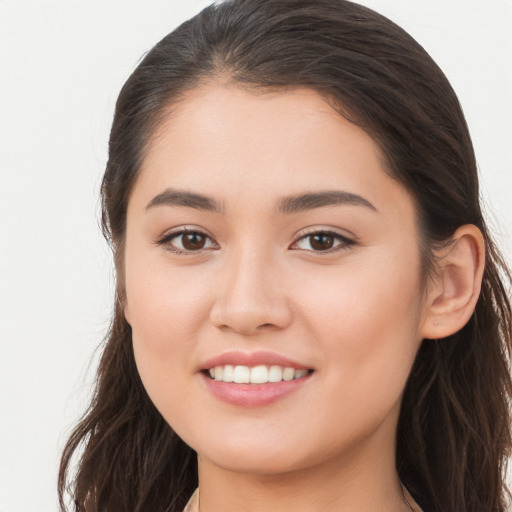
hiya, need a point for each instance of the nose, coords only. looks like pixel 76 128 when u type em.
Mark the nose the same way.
pixel 251 297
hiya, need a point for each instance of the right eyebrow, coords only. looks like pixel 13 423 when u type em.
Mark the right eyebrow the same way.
pixel 174 197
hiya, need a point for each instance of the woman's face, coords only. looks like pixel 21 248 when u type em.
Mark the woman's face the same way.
pixel 264 234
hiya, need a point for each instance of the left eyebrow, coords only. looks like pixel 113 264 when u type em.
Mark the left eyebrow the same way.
pixel 309 201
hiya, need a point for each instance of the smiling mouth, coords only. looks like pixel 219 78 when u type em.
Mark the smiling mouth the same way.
pixel 261 374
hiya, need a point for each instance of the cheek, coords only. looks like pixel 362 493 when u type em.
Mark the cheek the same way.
pixel 164 305
pixel 166 309
pixel 367 322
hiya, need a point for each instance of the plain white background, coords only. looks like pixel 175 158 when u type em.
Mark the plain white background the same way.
pixel 62 63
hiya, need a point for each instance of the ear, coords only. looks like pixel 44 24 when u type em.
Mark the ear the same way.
pixel 453 294
pixel 126 311
pixel 123 304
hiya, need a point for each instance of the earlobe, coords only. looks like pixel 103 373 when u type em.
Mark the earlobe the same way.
pixel 453 294
pixel 123 303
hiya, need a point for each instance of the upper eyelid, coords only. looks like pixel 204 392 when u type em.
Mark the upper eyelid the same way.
pixel 305 232
pixel 324 230
pixel 345 240
pixel 174 232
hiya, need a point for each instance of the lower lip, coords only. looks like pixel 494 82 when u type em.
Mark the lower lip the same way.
pixel 253 395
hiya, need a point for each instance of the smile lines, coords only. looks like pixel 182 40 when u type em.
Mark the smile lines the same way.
pixel 256 375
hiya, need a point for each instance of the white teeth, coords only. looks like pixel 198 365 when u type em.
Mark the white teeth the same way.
pixel 255 375
pixel 275 374
pixel 299 373
pixel 288 374
pixel 241 375
pixel 228 373
pixel 259 375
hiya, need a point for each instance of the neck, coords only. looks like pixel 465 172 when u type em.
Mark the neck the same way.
pixel 354 484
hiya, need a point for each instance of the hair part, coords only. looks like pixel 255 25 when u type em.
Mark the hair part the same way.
pixel 453 435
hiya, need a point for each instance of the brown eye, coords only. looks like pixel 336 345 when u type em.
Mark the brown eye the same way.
pixel 193 241
pixel 187 241
pixel 321 241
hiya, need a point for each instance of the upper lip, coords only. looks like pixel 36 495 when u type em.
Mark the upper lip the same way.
pixel 251 359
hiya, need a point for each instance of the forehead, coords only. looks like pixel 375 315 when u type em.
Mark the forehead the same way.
pixel 226 141
pixel 217 115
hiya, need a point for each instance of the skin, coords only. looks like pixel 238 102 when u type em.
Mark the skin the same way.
pixel 356 315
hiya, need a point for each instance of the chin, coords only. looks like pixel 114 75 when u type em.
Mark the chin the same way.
pixel 256 458
pixel 254 464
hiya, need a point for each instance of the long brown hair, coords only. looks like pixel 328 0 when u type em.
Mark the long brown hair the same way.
pixel 453 435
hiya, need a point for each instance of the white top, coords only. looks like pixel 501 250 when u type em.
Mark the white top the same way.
pixel 193 502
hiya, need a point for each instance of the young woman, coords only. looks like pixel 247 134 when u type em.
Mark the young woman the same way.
pixel 311 314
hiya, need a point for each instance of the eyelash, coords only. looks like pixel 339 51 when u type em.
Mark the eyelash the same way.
pixel 344 242
pixel 166 239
